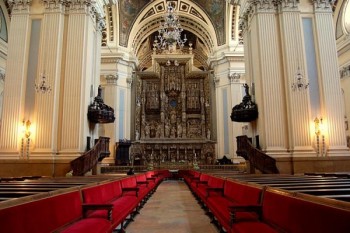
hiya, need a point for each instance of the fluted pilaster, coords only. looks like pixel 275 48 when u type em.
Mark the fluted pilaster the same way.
pixel 14 96
pixel 333 111
pixel 110 90
pixel 297 102
pixel 271 84
pixel 50 56
pixel 78 77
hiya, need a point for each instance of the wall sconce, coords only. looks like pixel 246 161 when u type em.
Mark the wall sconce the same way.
pixel 320 131
pixel 323 131
pixel 28 130
pixel 317 132
pixel 25 141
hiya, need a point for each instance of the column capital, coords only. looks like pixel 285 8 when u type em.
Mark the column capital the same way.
pixel 216 80
pixel 20 6
pixel 323 5
pixel 265 6
pixel 129 81
pixel 112 79
pixel 344 72
pixel 57 6
pixel 235 77
pixel 289 5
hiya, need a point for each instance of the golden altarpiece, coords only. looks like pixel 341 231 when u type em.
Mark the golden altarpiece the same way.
pixel 173 114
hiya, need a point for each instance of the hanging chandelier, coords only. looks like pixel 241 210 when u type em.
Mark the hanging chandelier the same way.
pixel 42 86
pixel 299 82
pixel 169 32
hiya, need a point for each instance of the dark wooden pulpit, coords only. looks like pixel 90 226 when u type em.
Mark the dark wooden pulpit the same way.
pixel 122 152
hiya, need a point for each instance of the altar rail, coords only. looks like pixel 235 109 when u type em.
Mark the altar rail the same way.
pixel 229 167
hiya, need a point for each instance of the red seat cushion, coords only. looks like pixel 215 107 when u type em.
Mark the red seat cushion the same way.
pixel 89 225
pixel 252 227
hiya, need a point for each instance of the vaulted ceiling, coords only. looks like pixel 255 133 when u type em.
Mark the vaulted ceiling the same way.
pixel 136 23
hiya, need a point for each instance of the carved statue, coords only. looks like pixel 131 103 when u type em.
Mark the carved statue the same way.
pixel 208 134
pixel 246 88
pixel 173 118
pixel 167 129
pixel 147 130
pixel 137 135
pixel 159 130
pixel 179 130
pixel 172 132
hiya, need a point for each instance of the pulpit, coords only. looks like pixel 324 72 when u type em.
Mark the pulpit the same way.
pixel 122 152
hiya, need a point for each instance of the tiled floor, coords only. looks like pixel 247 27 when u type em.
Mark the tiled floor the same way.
pixel 172 209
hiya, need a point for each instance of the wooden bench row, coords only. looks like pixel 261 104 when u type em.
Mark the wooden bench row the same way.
pixel 100 207
pixel 328 186
pixel 239 206
pixel 21 186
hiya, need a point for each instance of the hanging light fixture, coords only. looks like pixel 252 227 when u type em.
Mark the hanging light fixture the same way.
pixel 42 86
pixel 299 82
pixel 169 32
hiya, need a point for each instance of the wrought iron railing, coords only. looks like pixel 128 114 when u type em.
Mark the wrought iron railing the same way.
pixel 257 159
pixel 89 159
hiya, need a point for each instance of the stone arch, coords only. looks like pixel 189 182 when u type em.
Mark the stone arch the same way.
pixel 192 19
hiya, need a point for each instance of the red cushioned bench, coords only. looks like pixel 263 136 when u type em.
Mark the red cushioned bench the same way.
pixel 190 176
pixel 58 212
pixel 213 186
pixel 130 187
pixel 159 175
pixel 201 180
pixel 282 211
pixel 112 193
pixel 232 193
pixel 148 184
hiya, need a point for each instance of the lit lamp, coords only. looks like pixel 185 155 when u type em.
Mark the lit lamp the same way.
pixel 322 131
pixel 317 132
pixel 26 130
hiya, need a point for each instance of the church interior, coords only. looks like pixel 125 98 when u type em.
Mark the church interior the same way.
pixel 201 93
pixel 172 100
